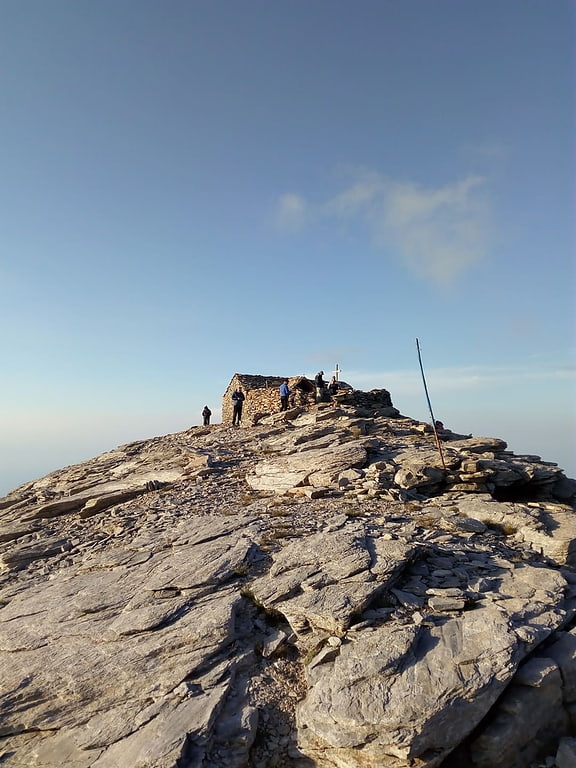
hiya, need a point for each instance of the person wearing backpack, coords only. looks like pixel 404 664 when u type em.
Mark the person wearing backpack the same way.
pixel 238 401
pixel 206 413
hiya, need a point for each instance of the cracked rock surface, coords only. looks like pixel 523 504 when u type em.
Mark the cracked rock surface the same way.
pixel 314 590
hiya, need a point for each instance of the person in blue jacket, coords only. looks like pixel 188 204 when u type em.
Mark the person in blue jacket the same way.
pixel 284 395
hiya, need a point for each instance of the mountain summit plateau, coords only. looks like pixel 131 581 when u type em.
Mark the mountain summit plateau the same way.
pixel 320 588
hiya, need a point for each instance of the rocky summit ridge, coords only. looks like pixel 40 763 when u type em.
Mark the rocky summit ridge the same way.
pixel 321 588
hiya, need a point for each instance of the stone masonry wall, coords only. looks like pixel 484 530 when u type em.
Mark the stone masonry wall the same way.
pixel 263 396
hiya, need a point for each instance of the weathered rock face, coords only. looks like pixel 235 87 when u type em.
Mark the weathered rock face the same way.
pixel 321 590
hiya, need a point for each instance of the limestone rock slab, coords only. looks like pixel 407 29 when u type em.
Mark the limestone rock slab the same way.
pixel 408 692
pixel 122 641
pixel 310 467
pixel 322 581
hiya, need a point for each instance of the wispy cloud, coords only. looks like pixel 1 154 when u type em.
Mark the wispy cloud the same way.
pixel 364 195
pixel 290 212
pixel 409 381
pixel 437 232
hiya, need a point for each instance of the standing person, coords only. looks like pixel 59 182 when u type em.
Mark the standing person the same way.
pixel 238 400
pixel 320 386
pixel 284 394
pixel 333 386
pixel 206 413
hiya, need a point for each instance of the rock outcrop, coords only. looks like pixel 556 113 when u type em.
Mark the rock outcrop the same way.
pixel 321 589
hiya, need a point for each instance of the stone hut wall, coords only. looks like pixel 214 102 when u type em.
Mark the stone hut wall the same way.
pixel 263 396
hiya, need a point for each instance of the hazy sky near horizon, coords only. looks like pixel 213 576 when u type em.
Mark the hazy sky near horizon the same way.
pixel 194 188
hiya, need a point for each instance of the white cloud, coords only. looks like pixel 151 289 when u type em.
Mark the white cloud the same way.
pixel 362 194
pixel 409 382
pixel 291 212
pixel 437 232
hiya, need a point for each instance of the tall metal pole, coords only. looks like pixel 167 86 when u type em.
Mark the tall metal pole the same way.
pixel 438 444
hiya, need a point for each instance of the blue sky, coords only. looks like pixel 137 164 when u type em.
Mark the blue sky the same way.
pixel 194 188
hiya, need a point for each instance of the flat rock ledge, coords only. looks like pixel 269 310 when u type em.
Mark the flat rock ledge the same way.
pixel 320 590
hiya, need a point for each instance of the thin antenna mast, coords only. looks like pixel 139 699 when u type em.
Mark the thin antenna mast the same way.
pixel 438 444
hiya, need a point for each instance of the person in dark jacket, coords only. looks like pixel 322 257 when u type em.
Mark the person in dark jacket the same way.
pixel 320 386
pixel 206 413
pixel 238 401
pixel 284 395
